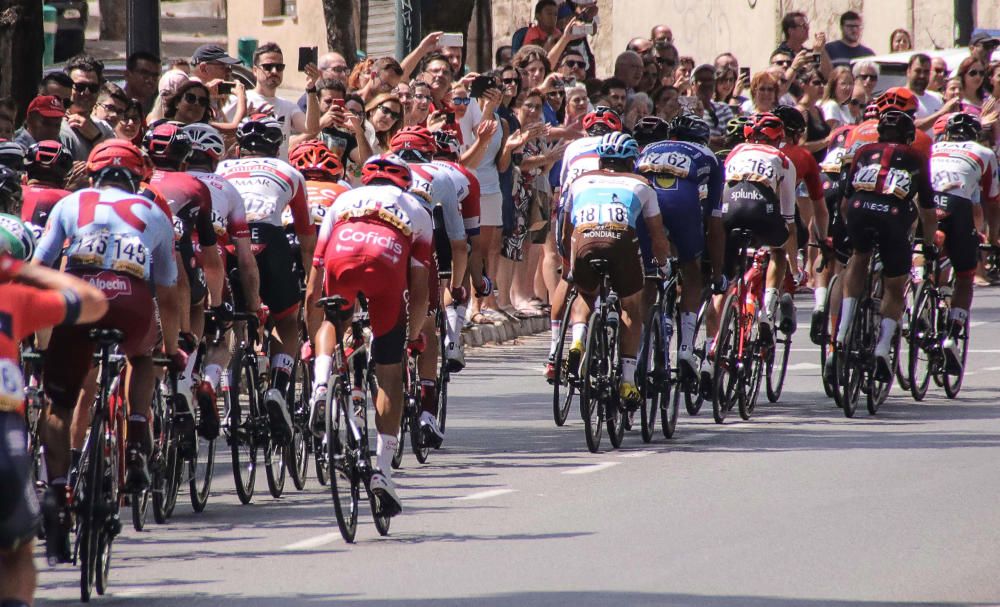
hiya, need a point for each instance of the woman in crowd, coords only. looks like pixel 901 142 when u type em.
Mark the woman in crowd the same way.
pixel 763 93
pixel 384 116
pixel 534 65
pixel 419 105
pixel 837 97
pixel 971 73
pixel 457 100
pixel 167 87
pixel 725 88
pixel 192 103
pixel 866 75
pixel 130 125
pixel 577 106
pixel 817 130
pixel 665 102
pixel 900 41
pixel 650 75
pixel 638 106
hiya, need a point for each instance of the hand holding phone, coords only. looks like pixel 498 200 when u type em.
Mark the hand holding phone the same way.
pixel 307 55
pixel 452 39
pixel 225 88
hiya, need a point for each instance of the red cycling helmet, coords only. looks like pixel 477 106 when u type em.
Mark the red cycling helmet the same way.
pixel 167 142
pixel 415 138
pixel 896 98
pixel 313 156
pixel 941 125
pixel 48 160
pixel 387 166
pixel 871 112
pixel 602 115
pixel 118 155
pixel 764 128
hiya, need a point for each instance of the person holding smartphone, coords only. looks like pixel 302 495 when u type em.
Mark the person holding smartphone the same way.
pixel 544 33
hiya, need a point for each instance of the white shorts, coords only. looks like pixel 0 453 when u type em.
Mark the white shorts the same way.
pixel 491 209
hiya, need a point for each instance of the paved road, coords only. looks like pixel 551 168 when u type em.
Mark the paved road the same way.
pixel 799 506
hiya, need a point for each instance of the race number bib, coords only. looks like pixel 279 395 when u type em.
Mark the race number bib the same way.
pixel 11 386
pixel 389 213
pixel 614 215
pixel 748 168
pixel 672 163
pixel 119 252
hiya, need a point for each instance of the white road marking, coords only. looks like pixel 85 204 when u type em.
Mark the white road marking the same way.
pixel 803 367
pixel 977 323
pixel 636 454
pixel 590 468
pixel 313 542
pixel 482 495
pixel 991 369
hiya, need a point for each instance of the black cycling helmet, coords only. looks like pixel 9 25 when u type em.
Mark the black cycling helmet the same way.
pixel 895 126
pixel 792 118
pixel 12 155
pixel 734 130
pixel 167 144
pixel 963 127
pixel 48 161
pixel 260 134
pixel 690 128
pixel 650 129
pixel 10 190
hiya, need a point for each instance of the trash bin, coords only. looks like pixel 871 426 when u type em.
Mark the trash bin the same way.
pixel 50 24
pixel 245 48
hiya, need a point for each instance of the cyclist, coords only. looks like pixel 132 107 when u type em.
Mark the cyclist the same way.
pixel 897 98
pixel 883 179
pixel 376 240
pixel 120 242
pixel 268 185
pixel 230 224
pixel 963 175
pixel 601 211
pixel 43 298
pixel 579 157
pixel 649 130
pixel 686 177
pixel 47 165
pixel 433 186
pixel 190 200
pixel 10 191
pixel 12 155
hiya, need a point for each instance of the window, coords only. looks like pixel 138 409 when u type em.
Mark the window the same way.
pixel 280 8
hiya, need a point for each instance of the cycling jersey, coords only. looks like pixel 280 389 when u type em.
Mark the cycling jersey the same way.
pixel 37 203
pixel 688 180
pixel 867 132
pixel 806 170
pixel 760 174
pixel 190 203
pixel 229 219
pixel 268 186
pixel 965 169
pixel 467 187
pixel 114 230
pixel 320 196
pixel 833 161
pixel 433 186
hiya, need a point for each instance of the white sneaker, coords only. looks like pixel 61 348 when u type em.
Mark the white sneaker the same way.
pixel 952 357
pixel 429 431
pixel 455 356
pixel 382 487
pixel 317 410
pixel 277 413
pixel 686 357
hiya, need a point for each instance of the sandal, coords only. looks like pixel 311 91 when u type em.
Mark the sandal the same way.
pixel 480 318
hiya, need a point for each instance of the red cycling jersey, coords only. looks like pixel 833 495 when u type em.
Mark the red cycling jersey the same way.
pixel 806 169
pixel 23 310
pixel 190 203
pixel 37 203
pixel 867 132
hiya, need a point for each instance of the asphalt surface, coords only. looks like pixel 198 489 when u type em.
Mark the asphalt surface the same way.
pixel 798 506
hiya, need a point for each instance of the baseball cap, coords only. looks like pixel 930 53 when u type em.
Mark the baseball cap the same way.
pixel 981 37
pixel 212 52
pixel 48 106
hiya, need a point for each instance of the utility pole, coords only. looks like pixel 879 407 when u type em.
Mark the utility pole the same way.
pixel 143 18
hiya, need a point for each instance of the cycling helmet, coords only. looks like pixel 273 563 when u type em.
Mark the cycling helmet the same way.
pixel 414 139
pixel 447 145
pixel 167 144
pixel 12 155
pixel 734 130
pixel 617 146
pixel 205 139
pixel 119 160
pixel 895 126
pixel 48 161
pixel 16 238
pixel 260 134
pixel 791 117
pixel 387 166
pixel 650 129
pixel 896 98
pixel 764 128
pixel 871 112
pixel 940 126
pixel 602 117
pixel 691 128
pixel 10 189
pixel 314 158
pixel 963 127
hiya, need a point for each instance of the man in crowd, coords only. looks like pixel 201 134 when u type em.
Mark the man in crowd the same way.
pixel 939 75
pixel 80 132
pixel 44 120
pixel 332 66
pixel 111 104
pixel 629 69
pixel 142 72
pixel 982 45
pixel 795 28
pixel 930 106
pixel 544 33
pixel 849 46
pixel 572 66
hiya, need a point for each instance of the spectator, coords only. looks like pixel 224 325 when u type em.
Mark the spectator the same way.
pixel 572 67
pixel 456 59
pixel 384 75
pixel 817 130
pixel 130 125
pixel 43 121
pixel 503 55
pixel 900 41
pixel 533 63
pixel 665 103
pixel 629 69
pixel 420 93
pixel 849 46
pixel 111 104
pixel 640 45
pixel 795 28
pixel 190 104
pixel 59 85
pixel 668 59
pixel 836 98
pixel 211 65
pixel 334 130
pixel 181 65
pixel 725 87
pixel 982 45
pixel 661 35
pixel 332 66
pixel 555 101
pixel 638 106
pixel 80 133
pixel 729 60
pixel 437 74
pixel 269 68
pixel 972 74
pixel 953 89
pixel 866 75
pixel 716 114
pixel 458 100
pixel 544 32
pixel 782 58
pixel 384 116
pixel 930 106
pixel 167 87
pixel 142 71
pixel 763 93
pixel 8 113
pixel 939 75
pixel 650 75
pixel 784 84
pixel 615 91
pixel 577 106
pixel 359 76
pixel 991 109
pixel 583 14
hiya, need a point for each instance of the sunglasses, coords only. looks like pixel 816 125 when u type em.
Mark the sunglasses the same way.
pixel 871 77
pixel 196 99
pixel 783 62
pixel 390 113
pixel 510 80
pixel 272 67
pixel 975 73
pixel 574 64
pixel 86 87
pixel 461 101
pixel 817 83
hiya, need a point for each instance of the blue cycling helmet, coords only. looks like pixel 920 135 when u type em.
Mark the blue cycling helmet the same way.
pixel 691 128
pixel 618 146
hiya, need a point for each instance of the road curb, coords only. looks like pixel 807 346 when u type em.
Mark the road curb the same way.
pixel 500 332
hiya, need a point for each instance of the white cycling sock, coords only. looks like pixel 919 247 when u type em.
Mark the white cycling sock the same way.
pixel 958 315
pixel 885 337
pixel 688 321
pixel 213 374
pixel 846 317
pixel 321 371
pixel 555 327
pixel 579 332
pixel 770 303
pixel 451 315
pixel 282 362
pixel 385 447
pixel 709 344
pixel 628 370
pixel 820 295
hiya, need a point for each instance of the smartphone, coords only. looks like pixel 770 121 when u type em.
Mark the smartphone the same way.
pixel 816 59
pixel 307 55
pixel 451 40
pixel 585 29
pixel 745 74
pixel 449 117
pixel 339 103
pixel 225 88
pixel 480 84
pixel 688 102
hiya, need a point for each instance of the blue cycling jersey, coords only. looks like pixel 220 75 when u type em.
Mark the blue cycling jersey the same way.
pixel 681 172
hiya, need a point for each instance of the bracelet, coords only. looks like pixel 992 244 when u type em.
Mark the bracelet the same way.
pixel 311 91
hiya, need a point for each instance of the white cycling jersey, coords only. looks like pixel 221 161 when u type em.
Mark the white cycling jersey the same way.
pixel 229 216
pixel 966 169
pixel 767 166
pixel 433 186
pixel 268 186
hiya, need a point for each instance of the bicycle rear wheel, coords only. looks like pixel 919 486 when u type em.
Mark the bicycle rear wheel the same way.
pixel 850 364
pixel 201 468
pixel 242 435
pixel 444 375
pixel 275 467
pixel 592 379
pixel 89 523
pixel 776 366
pixel 726 363
pixel 563 390
pixel 903 354
pixel 953 381
pixel 922 340
pixel 166 478
pixel 693 398
pixel 345 479
pixel 649 373
pixel 829 330
pixel 615 411
pixel 878 391
pixel 297 452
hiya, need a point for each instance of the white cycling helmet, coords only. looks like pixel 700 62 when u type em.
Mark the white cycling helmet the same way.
pixel 205 139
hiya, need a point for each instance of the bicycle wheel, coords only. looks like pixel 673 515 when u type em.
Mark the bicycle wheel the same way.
pixel 242 399
pixel 776 366
pixel 201 468
pixel 922 341
pixel 444 375
pixel 420 450
pixel 829 331
pixel 411 408
pixel 563 390
pixel 345 479
pixel 726 361
pixel 275 467
pixel 297 452
pixel 903 354
pixel 851 362
pixel 649 375
pixel 755 371
pixel 166 473
pixel 615 412
pixel 592 385
pixel 140 508
pixel 878 391
pixel 693 399
pixel 89 520
pixel 953 381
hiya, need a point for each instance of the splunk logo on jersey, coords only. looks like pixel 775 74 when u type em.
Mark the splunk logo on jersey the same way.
pixel 112 284
pixel 743 194
pixel 379 240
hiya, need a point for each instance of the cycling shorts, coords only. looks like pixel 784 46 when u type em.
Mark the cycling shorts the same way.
pixel 684 221
pixel 279 285
pixel 870 221
pixel 20 516
pixel 191 262
pixel 619 249
pixel 131 310
pixel 764 220
pixel 960 237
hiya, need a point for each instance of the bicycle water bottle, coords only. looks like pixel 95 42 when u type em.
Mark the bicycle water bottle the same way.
pixel 613 311
pixel 666 333
pixel 263 365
